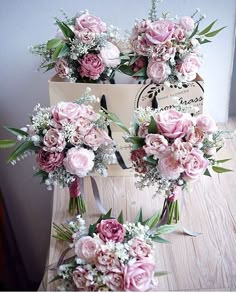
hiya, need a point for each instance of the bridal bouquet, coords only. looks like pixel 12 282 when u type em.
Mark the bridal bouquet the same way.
pixel 111 255
pixel 167 50
pixel 70 141
pixel 171 149
pixel 82 51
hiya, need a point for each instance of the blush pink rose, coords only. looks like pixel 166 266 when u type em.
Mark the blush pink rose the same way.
pixel 95 138
pixel 195 136
pixel 79 161
pixel 179 34
pixel 159 31
pixel 86 248
pixel 139 248
pixel 54 141
pixel 187 23
pixel 114 281
pixel 157 71
pixel 110 55
pixel 85 36
pixel 49 162
pixel 107 261
pixel 195 165
pixel 173 124
pixel 86 111
pixel 181 150
pixel 62 68
pixel 82 278
pixel 140 46
pixel 65 112
pixel 91 66
pixel 189 67
pixel 90 22
pixel 142 26
pixel 156 145
pixel 138 276
pixel 206 124
pixel 168 167
pixel 111 229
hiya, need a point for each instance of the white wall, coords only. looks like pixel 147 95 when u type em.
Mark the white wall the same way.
pixel 26 22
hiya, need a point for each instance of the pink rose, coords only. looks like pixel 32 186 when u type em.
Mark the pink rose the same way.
pixel 181 150
pixel 168 167
pixel 114 281
pixel 86 111
pixel 62 68
pixel 137 158
pixel 156 145
pixel 79 161
pixel 140 46
pixel 179 34
pixel 159 31
pixel 195 136
pixel 141 27
pixel 95 138
pixel 187 23
pixel 110 55
pixel 195 165
pixel 157 71
pixel 189 67
pixel 173 124
pixel 107 261
pixel 49 162
pixel 206 124
pixel 91 66
pixel 139 248
pixel 138 276
pixel 85 36
pixel 111 229
pixel 65 112
pixel 82 278
pixel 86 248
pixel 54 141
pixel 90 22
pixel 143 129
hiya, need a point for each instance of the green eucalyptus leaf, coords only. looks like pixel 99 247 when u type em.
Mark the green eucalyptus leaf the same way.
pixel 151 223
pixel 20 150
pixel 126 69
pixel 223 161
pixel 53 43
pixel 208 28
pixel 150 160
pixel 152 128
pixel 164 229
pixel 120 218
pixel 136 140
pixel 205 41
pixel 133 60
pixel 218 169
pixel 139 217
pixel 194 31
pixel 67 32
pixel 159 239
pixel 64 50
pixel 117 121
pixel 16 131
pixel 142 72
pixel 207 173
pixel 7 143
pixel 161 273
pixel 214 33
pixel 92 229
pixel 57 52
pixel 107 215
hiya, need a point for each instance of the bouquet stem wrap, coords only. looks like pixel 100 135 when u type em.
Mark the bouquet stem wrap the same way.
pixel 76 203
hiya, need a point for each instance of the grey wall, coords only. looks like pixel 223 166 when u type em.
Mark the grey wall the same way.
pixel 26 22
pixel 232 103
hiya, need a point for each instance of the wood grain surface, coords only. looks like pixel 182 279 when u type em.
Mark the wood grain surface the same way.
pixel 203 263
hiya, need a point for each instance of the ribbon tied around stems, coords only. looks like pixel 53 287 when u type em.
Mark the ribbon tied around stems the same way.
pixel 77 204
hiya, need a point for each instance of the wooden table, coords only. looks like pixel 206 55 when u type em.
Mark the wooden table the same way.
pixel 207 262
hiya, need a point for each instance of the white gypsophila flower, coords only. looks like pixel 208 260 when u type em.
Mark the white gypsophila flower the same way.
pixel 145 114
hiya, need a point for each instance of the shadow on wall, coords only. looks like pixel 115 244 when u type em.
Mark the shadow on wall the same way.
pixel 232 102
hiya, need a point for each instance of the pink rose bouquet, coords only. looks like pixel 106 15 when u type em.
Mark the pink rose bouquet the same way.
pixel 173 148
pixel 70 141
pixel 83 50
pixel 111 255
pixel 168 49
